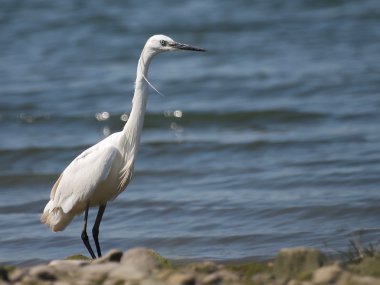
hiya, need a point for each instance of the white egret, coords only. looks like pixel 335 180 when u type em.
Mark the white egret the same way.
pixel 103 171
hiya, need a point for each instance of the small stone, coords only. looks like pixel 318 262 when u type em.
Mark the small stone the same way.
pixel 298 282
pixel 327 275
pixel 69 262
pixel 113 255
pixel 67 267
pixel 135 264
pixel 212 279
pixel 112 281
pixel 228 275
pixel 43 272
pixel 293 262
pixel 220 276
pixel 97 272
pixel 152 282
pixel 28 279
pixel 17 274
pixel 140 258
pixel 121 273
pixel 61 283
pixel 181 279
pixel 262 278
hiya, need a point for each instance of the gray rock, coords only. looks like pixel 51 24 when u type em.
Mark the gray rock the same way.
pixel 18 274
pixel 179 278
pixel 203 267
pixel 60 282
pixel 327 275
pixel 69 262
pixel 28 279
pixel 67 268
pixel 297 282
pixel 43 272
pixel 296 262
pixel 211 279
pixel 113 255
pixel 140 257
pixel 220 276
pixel 136 263
pixel 262 278
pixel 96 273
pixel 153 282
pixel 128 273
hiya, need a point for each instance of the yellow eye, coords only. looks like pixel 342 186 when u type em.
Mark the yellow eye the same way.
pixel 163 43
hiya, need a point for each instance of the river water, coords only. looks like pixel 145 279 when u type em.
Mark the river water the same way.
pixel 271 139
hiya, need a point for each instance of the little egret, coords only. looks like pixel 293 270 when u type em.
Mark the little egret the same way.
pixel 103 171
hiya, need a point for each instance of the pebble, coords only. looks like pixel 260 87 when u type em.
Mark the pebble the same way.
pixel 297 282
pixel 221 275
pixel 181 279
pixel 114 255
pixel 262 278
pixel 43 272
pixel 126 273
pixel 97 272
pixel 327 274
pixel 62 283
pixel 68 262
pixel 141 259
pixel 212 279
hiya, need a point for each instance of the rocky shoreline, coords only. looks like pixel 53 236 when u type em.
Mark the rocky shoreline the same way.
pixel 293 266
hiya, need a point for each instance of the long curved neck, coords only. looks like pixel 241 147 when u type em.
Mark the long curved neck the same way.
pixel 133 128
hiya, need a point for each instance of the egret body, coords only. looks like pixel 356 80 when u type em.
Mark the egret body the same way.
pixel 103 171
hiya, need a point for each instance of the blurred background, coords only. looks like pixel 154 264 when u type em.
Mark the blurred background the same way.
pixel 268 140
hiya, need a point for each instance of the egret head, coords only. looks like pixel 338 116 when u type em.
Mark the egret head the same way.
pixel 161 43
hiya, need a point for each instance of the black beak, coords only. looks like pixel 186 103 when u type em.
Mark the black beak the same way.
pixel 185 47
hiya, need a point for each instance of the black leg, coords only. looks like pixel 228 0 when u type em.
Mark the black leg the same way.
pixel 95 229
pixel 85 236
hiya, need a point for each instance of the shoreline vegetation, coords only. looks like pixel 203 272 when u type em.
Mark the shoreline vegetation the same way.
pixel 292 266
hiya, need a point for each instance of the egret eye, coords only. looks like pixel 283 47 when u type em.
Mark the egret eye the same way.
pixel 163 43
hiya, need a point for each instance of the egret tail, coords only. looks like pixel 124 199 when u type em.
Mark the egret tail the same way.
pixel 55 218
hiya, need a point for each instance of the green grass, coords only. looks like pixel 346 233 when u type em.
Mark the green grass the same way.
pixel 77 257
pixel 367 266
pixel 361 259
pixel 249 269
pixel 164 262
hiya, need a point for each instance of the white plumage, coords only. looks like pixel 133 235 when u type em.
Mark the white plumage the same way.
pixel 92 178
pixel 103 171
